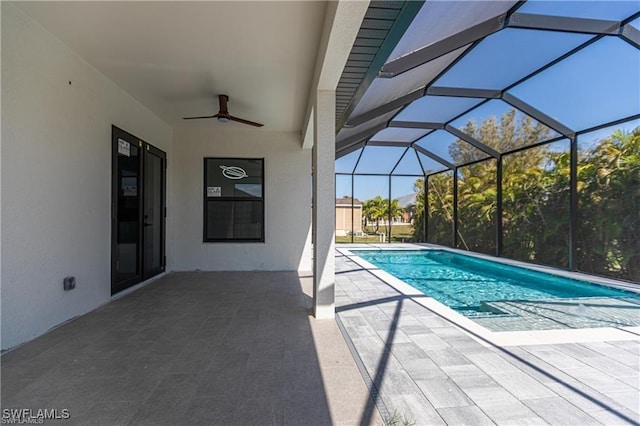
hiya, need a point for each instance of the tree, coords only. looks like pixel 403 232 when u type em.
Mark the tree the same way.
pixel 609 207
pixel 418 216
pixel 373 210
pixel 377 209
pixel 392 210
pixel 440 209
pixel 477 196
pixel 536 194
pixel 477 206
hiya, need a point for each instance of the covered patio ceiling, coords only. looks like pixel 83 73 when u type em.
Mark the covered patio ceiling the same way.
pixel 419 72
pixel 176 57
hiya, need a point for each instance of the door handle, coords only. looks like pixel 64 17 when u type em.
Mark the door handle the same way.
pixel 148 224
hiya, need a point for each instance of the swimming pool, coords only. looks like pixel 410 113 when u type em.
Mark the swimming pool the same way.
pixel 507 298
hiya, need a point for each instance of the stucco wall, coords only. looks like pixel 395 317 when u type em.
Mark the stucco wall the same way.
pixel 57 113
pixel 287 198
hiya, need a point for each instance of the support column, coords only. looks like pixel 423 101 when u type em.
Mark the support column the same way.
pixel 499 207
pixel 573 206
pixel 324 201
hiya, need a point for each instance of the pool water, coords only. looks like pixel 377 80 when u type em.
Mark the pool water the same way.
pixel 505 297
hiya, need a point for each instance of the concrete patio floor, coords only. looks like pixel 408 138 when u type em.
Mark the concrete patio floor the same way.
pixel 195 348
pixel 422 367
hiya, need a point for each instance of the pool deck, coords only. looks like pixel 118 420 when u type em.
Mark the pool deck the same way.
pixel 422 365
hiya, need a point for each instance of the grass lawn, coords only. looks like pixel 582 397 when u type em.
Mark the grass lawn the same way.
pixel 399 234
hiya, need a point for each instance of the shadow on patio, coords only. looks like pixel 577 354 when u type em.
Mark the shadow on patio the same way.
pixel 194 348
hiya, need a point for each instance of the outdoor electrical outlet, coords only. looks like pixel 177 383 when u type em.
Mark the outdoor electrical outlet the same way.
pixel 69 283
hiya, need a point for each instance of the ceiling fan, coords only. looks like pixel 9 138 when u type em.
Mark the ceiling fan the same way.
pixel 223 115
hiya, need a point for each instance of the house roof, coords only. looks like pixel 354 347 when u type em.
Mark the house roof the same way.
pixel 407 200
pixel 347 202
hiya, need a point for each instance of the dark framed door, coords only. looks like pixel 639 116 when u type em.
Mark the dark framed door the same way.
pixel 138 210
pixel 153 206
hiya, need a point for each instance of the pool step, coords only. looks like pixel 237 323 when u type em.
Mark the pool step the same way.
pixel 572 313
pixel 486 309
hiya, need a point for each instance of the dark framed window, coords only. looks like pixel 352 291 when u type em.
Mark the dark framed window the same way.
pixel 233 200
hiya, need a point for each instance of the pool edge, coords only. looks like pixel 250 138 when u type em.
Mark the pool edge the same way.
pixel 476 331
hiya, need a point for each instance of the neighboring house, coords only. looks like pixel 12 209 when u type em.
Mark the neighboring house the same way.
pixel 408 203
pixel 348 212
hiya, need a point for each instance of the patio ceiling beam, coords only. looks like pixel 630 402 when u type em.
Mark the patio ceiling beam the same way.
pixel 383 109
pixel 464 92
pixel 417 94
pixel 419 160
pixel 349 150
pixel 388 143
pixel 438 172
pixel 472 141
pixel 394 169
pixel 434 157
pixel 442 47
pixel 538 115
pixel 365 134
pixel 562 23
pixel 416 125
pixel 631 35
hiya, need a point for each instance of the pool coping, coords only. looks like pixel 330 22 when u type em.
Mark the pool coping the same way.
pixel 480 333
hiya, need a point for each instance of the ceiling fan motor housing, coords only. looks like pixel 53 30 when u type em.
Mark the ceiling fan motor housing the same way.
pixel 223 115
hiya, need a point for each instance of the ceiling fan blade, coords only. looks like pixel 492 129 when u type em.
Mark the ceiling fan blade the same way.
pixel 240 120
pixel 198 118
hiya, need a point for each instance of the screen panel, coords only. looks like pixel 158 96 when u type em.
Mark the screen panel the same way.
pixel 477 203
pixel 608 225
pixel 502 127
pixel 603 92
pixel 440 209
pixel 535 204
pixel 485 66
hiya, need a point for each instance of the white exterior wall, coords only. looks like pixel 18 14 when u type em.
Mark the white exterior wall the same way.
pixel 56 177
pixel 287 199
pixel 324 212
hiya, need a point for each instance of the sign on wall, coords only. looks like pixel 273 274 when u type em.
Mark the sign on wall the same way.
pixel 124 148
pixel 233 177
pixel 214 191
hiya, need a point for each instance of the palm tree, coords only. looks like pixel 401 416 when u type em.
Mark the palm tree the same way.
pixel 392 210
pixel 373 210
pixel 608 199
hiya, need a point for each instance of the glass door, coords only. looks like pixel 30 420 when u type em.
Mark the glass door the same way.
pixel 154 212
pixel 138 211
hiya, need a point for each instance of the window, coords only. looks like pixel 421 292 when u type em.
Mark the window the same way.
pixel 233 200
